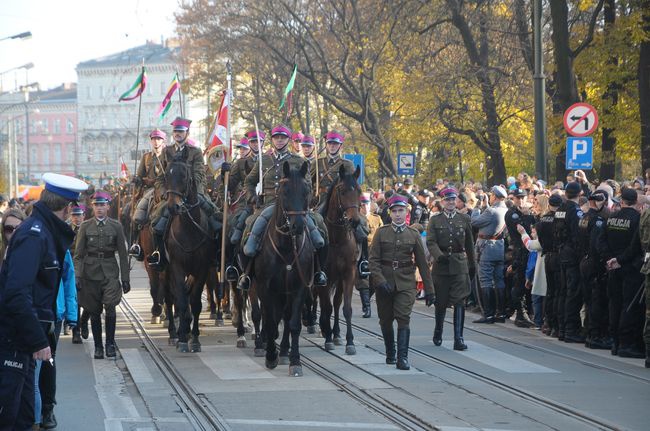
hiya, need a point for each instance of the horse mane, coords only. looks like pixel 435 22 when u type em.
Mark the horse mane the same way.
pixel 347 179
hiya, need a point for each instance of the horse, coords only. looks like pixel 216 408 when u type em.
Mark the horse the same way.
pixel 283 269
pixel 341 214
pixel 190 251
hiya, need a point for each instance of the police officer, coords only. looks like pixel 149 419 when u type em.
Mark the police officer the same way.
pixel 29 282
pixel 77 215
pixel 518 214
pixel 644 239
pixel 565 227
pixel 552 268
pixel 451 244
pixel 97 241
pixel 491 224
pixel 420 213
pixel 624 263
pixel 393 250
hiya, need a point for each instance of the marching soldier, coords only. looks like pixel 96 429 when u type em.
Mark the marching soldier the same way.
pixel 370 223
pixel 395 252
pixel 98 239
pixel 77 215
pixel 451 244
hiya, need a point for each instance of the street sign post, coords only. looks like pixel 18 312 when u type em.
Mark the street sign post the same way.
pixel 580 153
pixel 406 164
pixel 581 119
pixel 357 160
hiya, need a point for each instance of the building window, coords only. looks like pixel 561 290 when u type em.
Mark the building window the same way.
pixel 101 92
pixel 45 126
pixel 69 153
pixel 114 94
pixel 69 127
pixel 33 155
pixel 88 92
pixel 18 127
pixel 162 88
pixel 32 127
pixel 56 159
pixel 46 155
pixel 57 126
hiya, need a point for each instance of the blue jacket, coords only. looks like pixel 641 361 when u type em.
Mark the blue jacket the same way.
pixel 66 300
pixel 29 279
pixel 530 267
pixel 490 223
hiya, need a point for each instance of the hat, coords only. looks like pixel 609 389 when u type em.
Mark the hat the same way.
pixel 520 193
pixel 157 133
pixel 499 192
pixel 423 192
pixel 64 185
pixel 243 143
pixel 101 197
pixel 555 200
pixel 308 140
pixel 78 210
pixel 281 130
pixel 511 180
pixel 462 197
pixel 408 182
pixel 252 135
pixel 182 124
pixel 629 195
pixel 297 136
pixel 572 189
pixel 365 198
pixel 397 200
pixel 335 137
pixel 599 196
pixel 448 193
pixel 398 184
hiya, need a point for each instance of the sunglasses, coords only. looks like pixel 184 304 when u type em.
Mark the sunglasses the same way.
pixel 9 228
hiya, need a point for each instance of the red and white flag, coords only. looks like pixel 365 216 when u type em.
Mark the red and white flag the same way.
pixel 219 134
pixel 124 171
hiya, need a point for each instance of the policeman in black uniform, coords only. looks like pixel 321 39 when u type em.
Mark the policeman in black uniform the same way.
pixel 570 299
pixel 420 213
pixel 518 215
pixel 29 282
pixel 546 237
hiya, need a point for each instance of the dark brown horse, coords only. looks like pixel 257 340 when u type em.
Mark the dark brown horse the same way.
pixel 283 269
pixel 341 215
pixel 190 251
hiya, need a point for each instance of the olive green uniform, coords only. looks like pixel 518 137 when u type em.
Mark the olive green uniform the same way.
pixel 271 175
pixel 328 173
pixel 644 234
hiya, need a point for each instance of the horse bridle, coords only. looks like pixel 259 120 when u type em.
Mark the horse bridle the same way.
pixel 342 220
pixel 186 208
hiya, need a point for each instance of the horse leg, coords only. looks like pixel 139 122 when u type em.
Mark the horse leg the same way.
pixel 256 313
pixel 311 329
pixel 195 302
pixel 325 315
pixel 284 344
pixel 169 307
pixel 338 299
pixel 181 305
pixel 271 329
pixel 210 284
pixel 154 288
pixel 348 285
pixel 294 324
pixel 239 302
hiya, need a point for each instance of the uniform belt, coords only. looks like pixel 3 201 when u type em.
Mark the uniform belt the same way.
pixel 398 264
pixel 101 255
pixel 490 237
pixel 455 250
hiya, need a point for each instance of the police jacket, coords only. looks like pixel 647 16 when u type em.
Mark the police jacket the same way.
pixel 545 232
pixel 30 277
pixel 420 214
pixel 618 237
pixel 566 231
pixel 515 217
pixel 590 227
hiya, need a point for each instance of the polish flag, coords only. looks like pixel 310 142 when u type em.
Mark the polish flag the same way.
pixel 124 171
pixel 219 134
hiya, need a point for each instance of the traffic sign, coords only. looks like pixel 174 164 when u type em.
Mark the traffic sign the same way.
pixel 357 160
pixel 406 164
pixel 581 119
pixel 580 153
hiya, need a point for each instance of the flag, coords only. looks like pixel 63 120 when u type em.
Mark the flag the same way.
pixel 167 101
pixel 289 89
pixel 219 134
pixel 124 171
pixel 139 84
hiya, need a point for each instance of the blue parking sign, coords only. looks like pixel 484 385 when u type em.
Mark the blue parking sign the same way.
pixel 580 153
pixel 357 160
pixel 406 164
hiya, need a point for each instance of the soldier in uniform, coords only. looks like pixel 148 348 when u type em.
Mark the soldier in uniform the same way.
pixel 296 143
pixel 519 215
pixel 271 176
pixel 369 222
pixel 552 269
pixel 77 215
pixel 624 263
pixel 29 282
pixel 491 224
pixel 450 242
pixel 394 249
pixel 149 169
pixel 308 146
pixel 98 239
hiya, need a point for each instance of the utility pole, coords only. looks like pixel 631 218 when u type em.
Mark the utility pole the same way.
pixel 539 90
pixel 27 156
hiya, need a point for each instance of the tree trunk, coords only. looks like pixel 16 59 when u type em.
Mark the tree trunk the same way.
pixel 610 99
pixel 643 74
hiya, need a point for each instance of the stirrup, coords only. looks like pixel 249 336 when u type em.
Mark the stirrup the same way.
pixel 320 279
pixel 244 282
pixel 232 274
pixel 154 258
pixel 364 269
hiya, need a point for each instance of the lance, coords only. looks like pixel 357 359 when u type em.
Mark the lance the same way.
pixel 226 179
pixel 260 152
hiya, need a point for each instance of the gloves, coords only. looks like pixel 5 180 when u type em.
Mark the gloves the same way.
pixel 443 259
pixel 71 324
pixel 384 288
pixel 225 167
pixel 429 299
pixel 126 287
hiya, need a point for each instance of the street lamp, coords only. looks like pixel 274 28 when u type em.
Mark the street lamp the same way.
pixel 26 66
pixel 23 35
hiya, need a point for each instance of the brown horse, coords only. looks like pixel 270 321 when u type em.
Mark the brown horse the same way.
pixel 283 269
pixel 190 250
pixel 341 214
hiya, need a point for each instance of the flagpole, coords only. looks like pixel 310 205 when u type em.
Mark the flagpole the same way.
pixel 137 133
pixel 226 179
pixel 180 98
pixel 260 152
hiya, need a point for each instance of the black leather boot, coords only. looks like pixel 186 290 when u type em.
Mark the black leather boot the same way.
pixel 440 322
pixel 500 304
pixel 48 420
pixel 83 324
pixel 389 342
pixel 244 282
pixel 488 306
pixel 110 335
pixel 521 318
pixel 403 335
pixel 96 325
pixel 320 278
pixel 157 260
pixel 76 336
pixel 459 323
pixel 365 302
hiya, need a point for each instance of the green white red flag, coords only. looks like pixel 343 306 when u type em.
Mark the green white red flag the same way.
pixel 167 101
pixel 288 92
pixel 138 87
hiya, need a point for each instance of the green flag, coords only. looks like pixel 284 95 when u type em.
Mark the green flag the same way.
pixel 287 90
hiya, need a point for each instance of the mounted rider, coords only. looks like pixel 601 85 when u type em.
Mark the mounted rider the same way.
pixel 308 146
pixel 149 169
pixel 193 157
pixel 328 174
pixel 271 176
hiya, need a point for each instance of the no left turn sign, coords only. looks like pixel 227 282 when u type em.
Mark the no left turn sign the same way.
pixel 580 119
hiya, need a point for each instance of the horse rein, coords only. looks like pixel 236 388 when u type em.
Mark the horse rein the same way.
pixel 342 221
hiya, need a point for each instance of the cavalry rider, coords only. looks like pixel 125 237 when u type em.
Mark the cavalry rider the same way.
pixel 296 143
pixel 193 158
pixel 328 174
pixel 308 146
pixel 271 176
pixel 149 169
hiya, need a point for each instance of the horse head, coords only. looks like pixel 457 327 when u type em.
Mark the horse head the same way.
pixel 294 194
pixel 348 194
pixel 178 183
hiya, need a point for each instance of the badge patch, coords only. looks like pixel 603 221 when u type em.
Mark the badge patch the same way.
pixel 515 216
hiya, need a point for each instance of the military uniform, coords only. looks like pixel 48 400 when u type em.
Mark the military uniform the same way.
pixel 328 174
pixel 395 253
pixel 451 244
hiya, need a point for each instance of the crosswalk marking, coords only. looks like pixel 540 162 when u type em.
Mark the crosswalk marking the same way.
pixel 137 367
pixel 497 359
pixel 229 365
pixel 338 425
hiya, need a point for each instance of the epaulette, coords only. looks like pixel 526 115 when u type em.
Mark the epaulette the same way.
pixel 35 229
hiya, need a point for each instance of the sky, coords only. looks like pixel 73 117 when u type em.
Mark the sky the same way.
pixel 67 32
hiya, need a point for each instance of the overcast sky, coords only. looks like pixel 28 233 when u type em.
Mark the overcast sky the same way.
pixel 67 32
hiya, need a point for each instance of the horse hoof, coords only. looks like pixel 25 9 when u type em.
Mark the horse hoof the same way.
pixel 295 371
pixel 183 347
pixel 311 329
pixel 155 320
pixel 163 316
pixel 156 309
pixel 172 341
pixel 213 316
pixel 196 347
pixel 241 343
pixel 284 360
pixel 248 330
pixel 272 364
pixel 259 353
pixel 338 341
pixel 329 346
pixel 218 322
pixel 350 350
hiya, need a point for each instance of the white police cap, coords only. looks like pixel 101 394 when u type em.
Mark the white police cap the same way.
pixel 499 192
pixel 64 185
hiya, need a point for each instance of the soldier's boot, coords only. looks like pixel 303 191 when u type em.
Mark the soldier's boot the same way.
pixel 96 325
pixel 459 324
pixel 440 322
pixel 630 351
pixel 238 231
pixel 403 335
pixel 364 266
pixel 488 310
pixel 500 304
pixel 521 319
pixel 232 273
pixel 76 335
pixel 157 260
pixel 244 282
pixel 320 278
pixel 365 302
pixel 48 420
pixel 83 324
pixel 389 342
pixel 110 335
pixel 135 250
